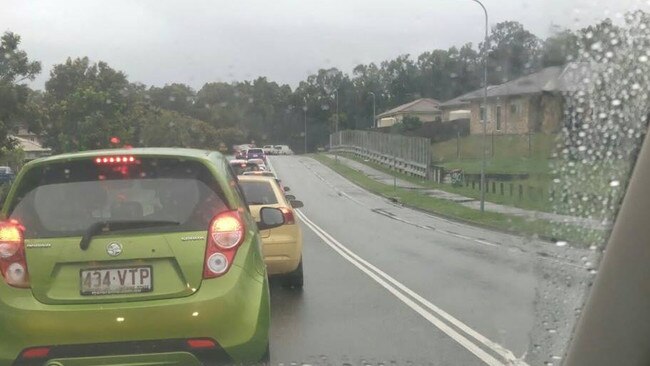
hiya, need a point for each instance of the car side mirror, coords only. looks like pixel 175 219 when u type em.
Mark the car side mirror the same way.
pixel 270 217
pixel 290 197
pixel 296 204
pixel 286 189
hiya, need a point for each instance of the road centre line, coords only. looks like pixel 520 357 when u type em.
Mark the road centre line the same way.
pixel 392 285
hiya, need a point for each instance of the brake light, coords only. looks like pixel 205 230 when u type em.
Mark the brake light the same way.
pixel 201 343
pixel 225 234
pixel 38 352
pixel 114 159
pixel 288 216
pixel 13 264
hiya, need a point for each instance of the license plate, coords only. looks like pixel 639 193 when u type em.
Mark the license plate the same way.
pixel 110 281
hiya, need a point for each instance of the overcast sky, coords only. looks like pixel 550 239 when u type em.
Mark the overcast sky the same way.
pixel 157 41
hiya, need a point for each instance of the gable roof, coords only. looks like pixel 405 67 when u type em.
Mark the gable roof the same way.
pixel 422 105
pixel 30 146
pixel 464 99
pixel 575 76
pixel 527 84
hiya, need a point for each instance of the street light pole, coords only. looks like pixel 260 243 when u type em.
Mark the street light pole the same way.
pixel 304 109
pixel 336 125
pixel 485 106
pixel 373 109
pixel 336 93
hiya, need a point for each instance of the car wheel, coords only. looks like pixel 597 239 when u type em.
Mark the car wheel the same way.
pixel 294 279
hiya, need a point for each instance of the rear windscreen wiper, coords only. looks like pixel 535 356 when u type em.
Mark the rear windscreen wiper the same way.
pixel 108 226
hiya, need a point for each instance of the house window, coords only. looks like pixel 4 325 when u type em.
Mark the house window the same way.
pixel 498 117
pixel 514 109
pixel 482 113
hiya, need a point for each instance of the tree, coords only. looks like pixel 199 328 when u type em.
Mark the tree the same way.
pixel 15 67
pixel 513 51
pixel 170 128
pixel 560 48
pixel 87 105
pixel 175 97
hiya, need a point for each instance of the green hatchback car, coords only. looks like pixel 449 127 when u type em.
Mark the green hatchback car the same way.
pixel 132 257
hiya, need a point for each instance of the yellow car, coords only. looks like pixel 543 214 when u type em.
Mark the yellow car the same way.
pixel 282 246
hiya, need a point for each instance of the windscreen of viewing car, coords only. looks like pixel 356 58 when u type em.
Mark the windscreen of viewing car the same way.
pixel 462 162
pixel 258 193
pixel 64 199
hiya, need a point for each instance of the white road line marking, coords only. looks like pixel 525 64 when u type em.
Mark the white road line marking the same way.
pixel 382 278
pixel 397 218
pixel 485 242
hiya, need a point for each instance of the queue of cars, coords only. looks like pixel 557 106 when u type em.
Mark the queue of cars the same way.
pixel 143 256
pixel 282 246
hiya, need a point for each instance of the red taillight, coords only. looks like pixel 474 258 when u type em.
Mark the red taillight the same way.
pixel 38 352
pixel 288 216
pixel 201 343
pixel 13 264
pixel 114 159
pixel 225 234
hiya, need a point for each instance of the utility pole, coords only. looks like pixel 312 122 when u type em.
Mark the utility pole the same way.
pixel 485 106
pixel 336 125
pixel 374 118
pixel 304 109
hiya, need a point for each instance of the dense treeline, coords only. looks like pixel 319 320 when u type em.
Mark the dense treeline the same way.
pixel 84 104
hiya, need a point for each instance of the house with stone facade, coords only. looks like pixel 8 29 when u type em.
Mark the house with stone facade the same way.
pixel 520 106
pixel 530 104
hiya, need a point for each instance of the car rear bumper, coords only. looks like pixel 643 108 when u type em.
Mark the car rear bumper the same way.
pixel 168 352
pixel 282 256
pixel 232 310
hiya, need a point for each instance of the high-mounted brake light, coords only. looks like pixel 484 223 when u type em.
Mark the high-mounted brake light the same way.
pixel 13 264
pixel 225 234
pixel 114 159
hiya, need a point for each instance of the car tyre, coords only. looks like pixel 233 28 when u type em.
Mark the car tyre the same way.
pixel 294 279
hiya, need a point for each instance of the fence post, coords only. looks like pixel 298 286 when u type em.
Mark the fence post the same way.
pixel 492 143
pixel 530 152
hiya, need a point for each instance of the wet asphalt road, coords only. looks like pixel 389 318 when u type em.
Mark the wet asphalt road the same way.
pixel 388 285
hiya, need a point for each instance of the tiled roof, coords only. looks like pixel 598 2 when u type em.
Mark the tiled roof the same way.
pixel 422 105
pixel 30 146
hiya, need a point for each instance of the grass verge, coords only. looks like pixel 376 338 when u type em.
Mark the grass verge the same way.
pixel 493 220
pixel 526 203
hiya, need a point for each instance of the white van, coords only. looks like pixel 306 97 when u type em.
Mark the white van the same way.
pixel 282 150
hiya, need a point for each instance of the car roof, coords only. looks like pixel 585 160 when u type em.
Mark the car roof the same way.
pixel 144 151
pixel 256 178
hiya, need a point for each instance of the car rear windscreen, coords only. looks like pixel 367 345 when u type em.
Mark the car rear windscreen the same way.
pixel 255 151
pixel 65 199
pixel 258 193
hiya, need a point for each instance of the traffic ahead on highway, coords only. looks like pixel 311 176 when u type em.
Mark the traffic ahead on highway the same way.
pixel 343 183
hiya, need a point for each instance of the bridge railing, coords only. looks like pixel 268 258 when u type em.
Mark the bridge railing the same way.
pixel 410 155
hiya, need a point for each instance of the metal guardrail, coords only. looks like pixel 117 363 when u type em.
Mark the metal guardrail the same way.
pixel 409 155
